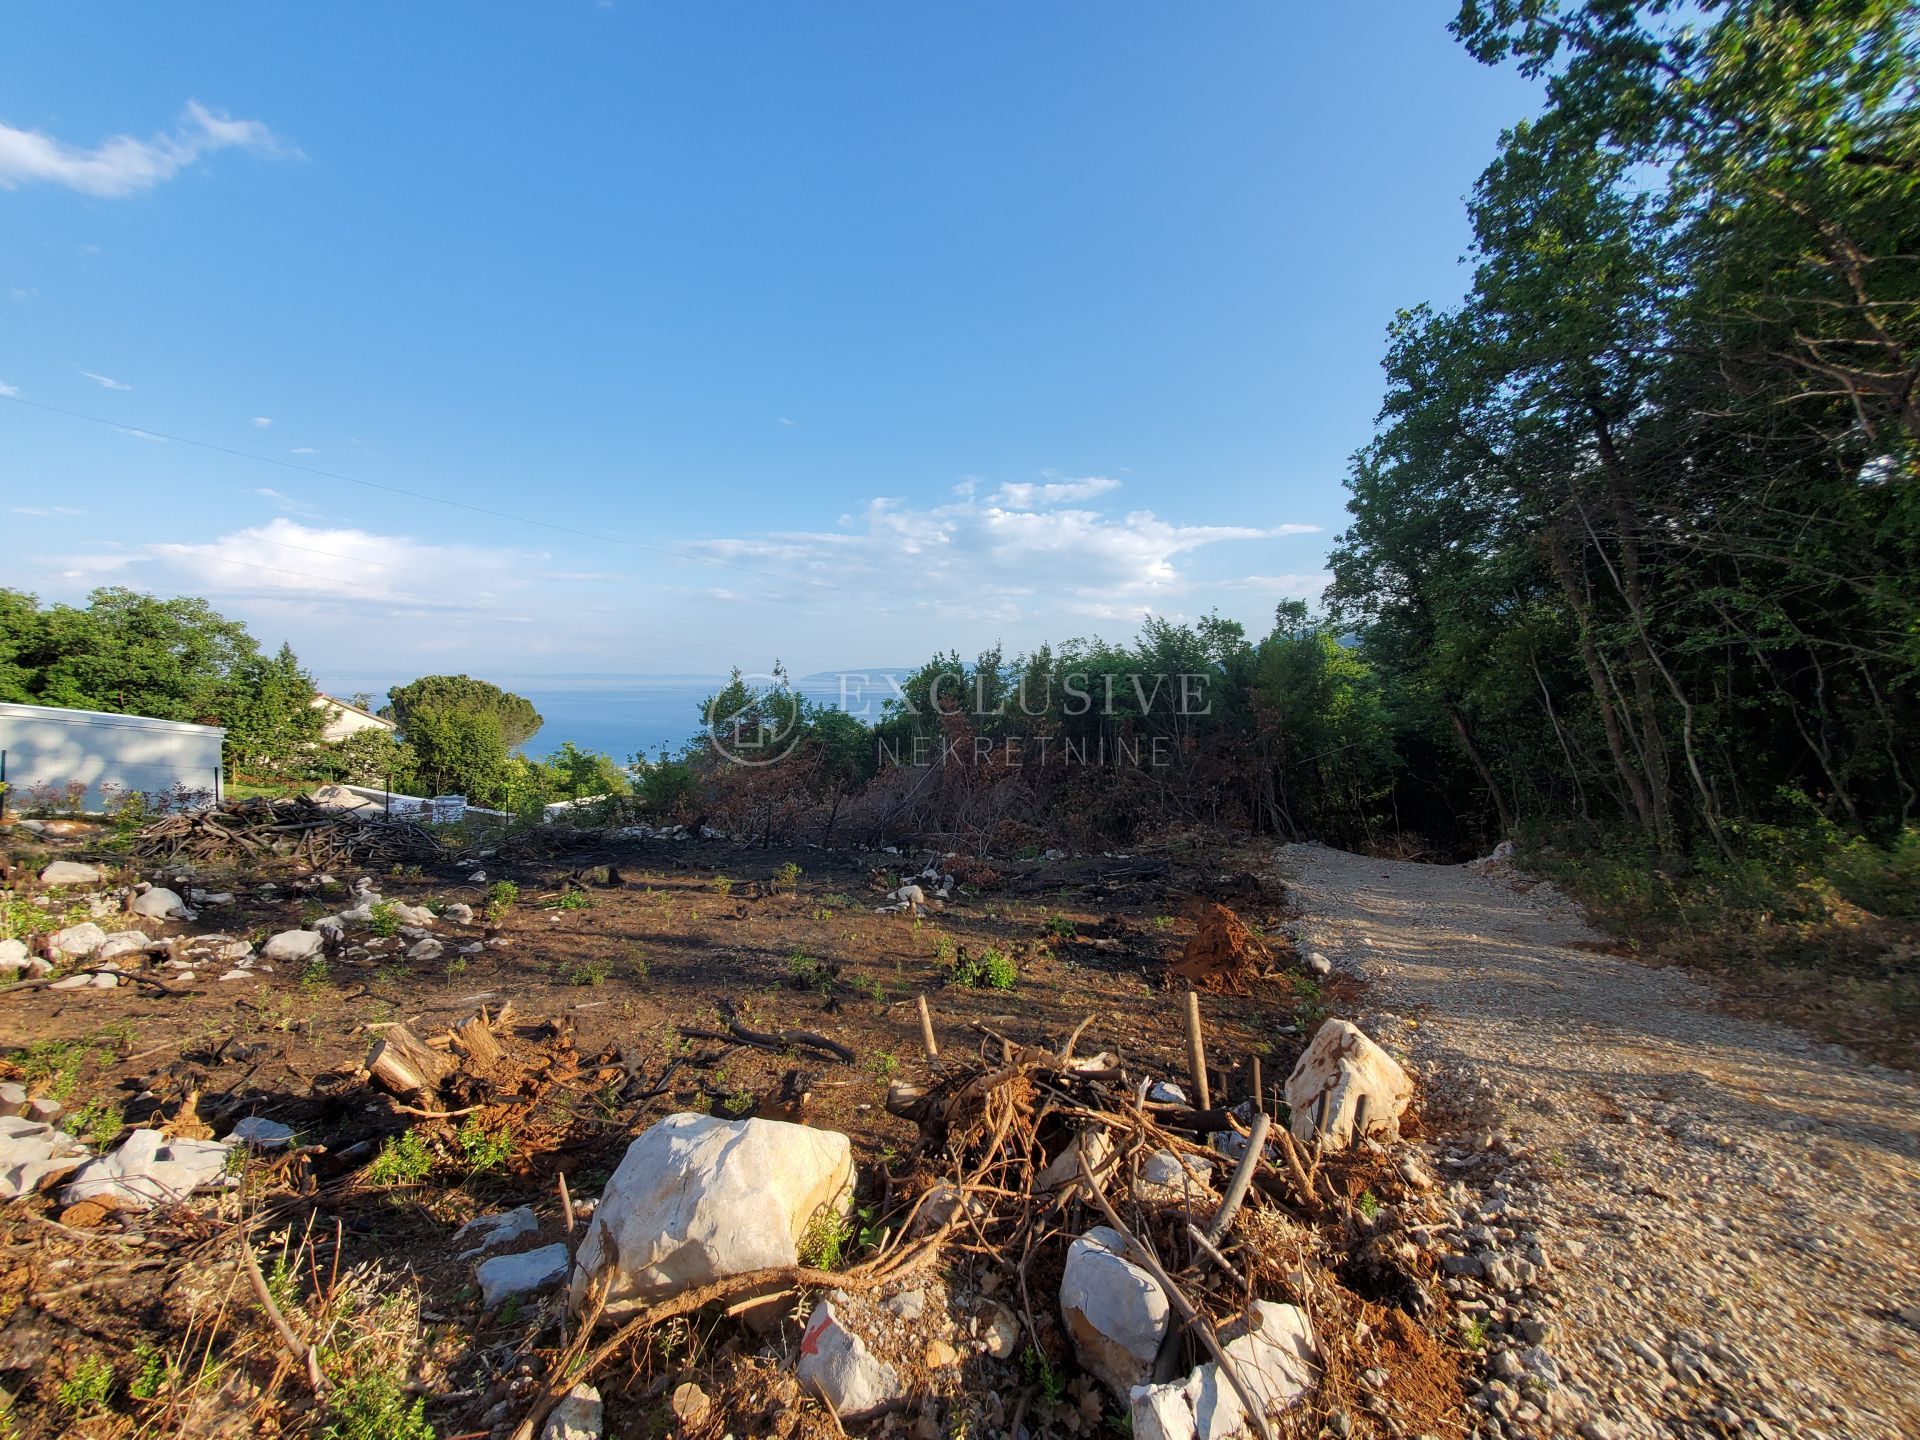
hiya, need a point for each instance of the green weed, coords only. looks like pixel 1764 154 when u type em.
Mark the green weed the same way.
pixel 373 1406
pixel 403 1160
pixel 484 1149
pixel 87 1389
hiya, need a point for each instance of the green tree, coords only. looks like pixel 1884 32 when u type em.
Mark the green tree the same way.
pixel 512 715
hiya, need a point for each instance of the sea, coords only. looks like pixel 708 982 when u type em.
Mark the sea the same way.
pixel 628 715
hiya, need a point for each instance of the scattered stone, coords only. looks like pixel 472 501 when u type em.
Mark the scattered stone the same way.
pixel 70 872
pixel 260 1133
pixel 13 1098
pixel 44 1111
pixel 14 955
pixel 1001 1337
pixel 1274 1352
pixel 908 1305
pixel 1346 1082
pixel 460 913
pixel 1116 1313
pixel 148 1169
pixel 124 942
pixel 426 950
pixel 502 1277
pixel 697 1198
pixel 836 1364
pixel 490 1232
pixel 1064 1169
pixel 1164 1171
pixel 160 903
pixel 32 1153
pixel 691 1405
pixel 293 945
pixel 77 941
pixel 578 1416
pixel 1319 964
pixel 1165 1092
pixel 237 974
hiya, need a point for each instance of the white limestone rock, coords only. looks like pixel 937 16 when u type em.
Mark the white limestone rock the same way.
pixel 160 903
pixel 70 872
pixel 77 941
pixel 1116 1313
pixel 697 1198
pixel 502 1277
pixel 490 1232
pixel 1344 1085
pixel 836 1364
pixel 149 1169
pixel 33 1153
pixel 578 1416
pixel 293 945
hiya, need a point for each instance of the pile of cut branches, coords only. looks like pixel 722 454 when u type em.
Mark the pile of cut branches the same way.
pixel 296 828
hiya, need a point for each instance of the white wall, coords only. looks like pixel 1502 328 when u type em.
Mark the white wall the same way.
pixel 344 720
pixel 48 746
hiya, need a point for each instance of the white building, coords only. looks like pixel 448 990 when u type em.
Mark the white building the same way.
pixel 65 757
pixel 344 718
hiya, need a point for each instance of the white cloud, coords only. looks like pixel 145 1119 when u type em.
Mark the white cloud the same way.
pixel 105 382
pixel 262 421
pixel 344 570
pixel 1054 492
pixel 23 292
pixel 6 389
pixel 285 502
pixel 47 510
pixel 303 449
pixel 141 434
pixel 994 558
pixel 121 165
pixel 785 421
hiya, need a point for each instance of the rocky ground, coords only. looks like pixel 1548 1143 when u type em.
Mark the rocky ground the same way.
pixel 1665 1220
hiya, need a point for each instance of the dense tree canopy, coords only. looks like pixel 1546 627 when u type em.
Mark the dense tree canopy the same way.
pixel 176 659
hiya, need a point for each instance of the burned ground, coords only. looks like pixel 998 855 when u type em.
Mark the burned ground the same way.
pixel 628 970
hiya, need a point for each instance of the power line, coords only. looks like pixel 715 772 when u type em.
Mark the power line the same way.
pixel 422 495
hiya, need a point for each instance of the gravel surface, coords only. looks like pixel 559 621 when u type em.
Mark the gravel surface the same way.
pixel 1659 1219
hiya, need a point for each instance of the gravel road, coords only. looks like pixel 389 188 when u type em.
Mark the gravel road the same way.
pixel 1663 1220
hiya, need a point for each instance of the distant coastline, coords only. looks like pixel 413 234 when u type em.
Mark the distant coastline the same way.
pixel 624 715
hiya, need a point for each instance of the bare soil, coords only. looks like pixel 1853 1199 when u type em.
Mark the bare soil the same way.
pixel 612 952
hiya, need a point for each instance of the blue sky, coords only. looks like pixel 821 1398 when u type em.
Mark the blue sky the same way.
pixel 922 326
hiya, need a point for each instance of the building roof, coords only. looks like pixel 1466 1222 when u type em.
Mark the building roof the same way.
pixel 320 697
pixel 55 715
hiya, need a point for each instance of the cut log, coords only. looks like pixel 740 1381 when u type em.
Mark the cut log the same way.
pixel 404 1064
pixel 473 1038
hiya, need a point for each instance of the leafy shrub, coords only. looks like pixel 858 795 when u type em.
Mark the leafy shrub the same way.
pixel 997 970
pixel 372 1405
pixel 87 1389
pixel 991 969
pixel 484 1149
pixel 501 896
pixel 403 1160
pixel 152 1374
pixel 787 878
pixel 385 921
pixel 588 972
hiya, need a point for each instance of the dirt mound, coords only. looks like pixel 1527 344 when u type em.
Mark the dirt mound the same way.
pixel 1224 954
